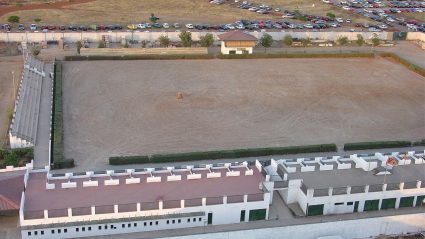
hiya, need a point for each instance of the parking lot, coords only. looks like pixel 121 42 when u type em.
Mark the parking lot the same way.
pixel 130 107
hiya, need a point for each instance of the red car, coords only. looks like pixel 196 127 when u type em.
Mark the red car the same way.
pixel 62 27
pixel 357 24
pixel 260 22
pixel 101 27
pixel 262 26
pixel 43 27
pixel 414 22
pixel 215 27
pixel 51 27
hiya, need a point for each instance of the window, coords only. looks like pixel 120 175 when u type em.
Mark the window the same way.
pixel 339 203
pixel 200 219
pixel 134 224
pixel 89 228
pixel 150 223
pixel 174 221
pixel 29 233
pixel 145 224
pixel 42 232
pixel 65 230
pixel 179 221
pixel 83 229
pixel 35 233
pixel 188 220
pixel 77 229
pixel 52 231
pixel 112 226
pixel 106 227
pixel 123 225
pixel 129 225
pixel 99 227
pixel 59 230
pixel 194 220
pixel 349 203
pixel 156 223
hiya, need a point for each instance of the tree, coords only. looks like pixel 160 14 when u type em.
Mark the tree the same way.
pixel 164 41
pixel 13 19
pixel 360 40
pixel 331 15
pixel 207 40
pixel 301 18
pixel 266 40
pixel 79 45
pixel 102 44
pixel 126 45
pixel 287 40
pixel 35 50
pixel 153 18
pixel 305 41
pixel 375 40
pixel 186 38
pixel 144 44
pixel 19 4
pixel 342 41
pixel 37 19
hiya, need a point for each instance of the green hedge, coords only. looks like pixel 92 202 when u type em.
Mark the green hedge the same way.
pixel 404 62
pixel 57 130
pixel 128 160
pixel 419 143
pixel 295 55
pixel 377 145
pixel 138 57
pixel 237 153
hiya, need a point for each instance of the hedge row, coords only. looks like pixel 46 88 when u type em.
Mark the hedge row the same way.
pixel 419 143
pixel 377 145
pixel 57 130
pixel 139 57
pixel 402 61
pixel 295 55
pixel 238 153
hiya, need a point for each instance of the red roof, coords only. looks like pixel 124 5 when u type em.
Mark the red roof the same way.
pixel 6 204
pixel 236 36
pixel 11 192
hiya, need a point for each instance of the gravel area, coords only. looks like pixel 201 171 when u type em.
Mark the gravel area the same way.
pixel 116 108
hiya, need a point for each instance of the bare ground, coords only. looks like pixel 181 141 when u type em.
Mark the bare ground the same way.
pixel 130 108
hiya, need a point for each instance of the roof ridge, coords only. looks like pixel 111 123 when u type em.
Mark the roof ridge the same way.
pixel 9 202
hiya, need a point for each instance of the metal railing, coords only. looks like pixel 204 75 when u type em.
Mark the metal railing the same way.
pixel 81 211
pixel 255 197
pixel 214 200
pixel 171 204
pixel 131 207
pixel 235 199
pixel 194 202
pixel 34 215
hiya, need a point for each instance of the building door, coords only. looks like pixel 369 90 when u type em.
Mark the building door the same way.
pixel 242 215
pixel 356 206
pixel 210 218
pixel 232 52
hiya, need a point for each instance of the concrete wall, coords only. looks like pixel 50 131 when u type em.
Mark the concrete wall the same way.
pixel 360 228
pixel 416 36
pixel 154 36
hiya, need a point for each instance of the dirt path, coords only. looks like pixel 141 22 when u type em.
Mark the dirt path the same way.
pixel 58 5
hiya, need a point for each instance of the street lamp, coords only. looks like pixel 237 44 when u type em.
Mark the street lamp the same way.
pixel 205 223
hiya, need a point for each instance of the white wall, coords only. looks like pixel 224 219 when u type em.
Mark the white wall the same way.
pixel 360 228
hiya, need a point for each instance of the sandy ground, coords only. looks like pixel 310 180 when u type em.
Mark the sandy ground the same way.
pixel 130 107
pixel 6 92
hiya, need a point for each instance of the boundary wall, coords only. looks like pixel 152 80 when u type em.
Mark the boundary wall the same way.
pixel 359 228
pixel 174 36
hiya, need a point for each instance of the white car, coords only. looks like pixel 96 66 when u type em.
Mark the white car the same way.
pixel 230 26
pixel 368 10
pixel 352 30
pixel 346 7
pixel 238 23
pixel 383 27
pixel 287 16
pixel 148 25
pixel 277 9
pixel 190 26
pixel 308 26
pixel 165 25
pixel 339 19
pixel 411 26
pixel 240 27
pixel 390 19
pixel 33 27
pixel 141 26
pixel 372 29
pixel 348 20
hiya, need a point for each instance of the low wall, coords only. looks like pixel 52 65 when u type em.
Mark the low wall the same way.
pixel 143 51
pixel 415 36
pixel 174 36
pixel 360 228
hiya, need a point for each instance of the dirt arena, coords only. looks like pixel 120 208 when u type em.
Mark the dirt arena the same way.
pixel 114 108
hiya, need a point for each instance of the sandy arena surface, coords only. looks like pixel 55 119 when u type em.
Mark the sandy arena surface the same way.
pixel 116 108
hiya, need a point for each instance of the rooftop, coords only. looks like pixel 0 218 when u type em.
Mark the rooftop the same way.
pixel 236 36
pixel 37 197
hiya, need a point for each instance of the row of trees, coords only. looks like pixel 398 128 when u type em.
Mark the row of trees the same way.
pixel 186 39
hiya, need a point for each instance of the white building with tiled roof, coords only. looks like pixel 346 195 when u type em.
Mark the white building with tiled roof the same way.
pixel 236 42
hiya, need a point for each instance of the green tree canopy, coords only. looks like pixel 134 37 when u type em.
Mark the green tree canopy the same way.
pixel 342 41
pixel 13 19
pixel 164 41
pixel 186 38
pixel 287 40
pixel 266 40
pixel 305 41
pixel 360 41
pixel 207 40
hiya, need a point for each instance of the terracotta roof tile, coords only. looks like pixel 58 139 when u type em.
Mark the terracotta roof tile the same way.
pixel 236 36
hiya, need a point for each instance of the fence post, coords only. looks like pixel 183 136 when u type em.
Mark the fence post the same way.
pixel 182 203
pixel 204 202
pixel 245 198
pixel 224 199
pixel 93 210
pixel 161 205
pixel 348 190
pixel 138 206
pixel 46 214
pixel 69 212
pixel 116 208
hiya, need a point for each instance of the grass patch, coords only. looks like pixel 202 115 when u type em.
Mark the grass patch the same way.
pixel 296 55
pixel 377 145
pixel 139 57
pixel 57 135
pixel 237 153
pixel 404 62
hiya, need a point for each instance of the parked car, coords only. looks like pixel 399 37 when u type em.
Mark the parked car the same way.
pixel 110 27
pixel 72 28
pixel 51 27
pixel 33 27
pixel 156 25
pixel 358 24
pixel 5 26
pixel 309 26
pixel 215 27
pixel 43 27
pixel 240 27
pixel 132 27
pixel 101 27
pixel 340 20
pixel 165 25
pixel 21 27
pixel 208 27
pixel 93 27
pixel 222 27
pixel 82 28
pixel 118 27
pixel 277 9
pixel 62 28
pixel 199 26
pixel 176 25
pixel 348 20
pixel 189 26
pixel 141 26
pixel 230 26
pixel 148 25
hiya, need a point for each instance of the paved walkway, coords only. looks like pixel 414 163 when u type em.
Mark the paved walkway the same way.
pixel 41 149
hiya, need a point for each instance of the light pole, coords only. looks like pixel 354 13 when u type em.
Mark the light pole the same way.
pixel 13 77
pixel 205 223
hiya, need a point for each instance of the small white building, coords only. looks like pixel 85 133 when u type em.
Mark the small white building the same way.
pixel 236 42
pixel 355 183
pixel 73 205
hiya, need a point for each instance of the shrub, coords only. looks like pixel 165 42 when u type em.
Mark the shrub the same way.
pixel 164 41
pixel 65 163
pixel 35 50
pixel 11 159
pixel 143 45
pixel 295 55
pixel 186 38
pixel 13 19
pixel 37 19
pixel 26 152
pixel 377 145
pixel 419 143
pixel 139 57
pixel 102 44
pixel 128 160
pixel 404 62
pixel 207 40
pixel 3 153
pixel 79 45
pixel 19 4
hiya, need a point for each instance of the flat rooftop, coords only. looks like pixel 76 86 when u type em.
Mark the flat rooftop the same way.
pixel 37 197
pixel 358 177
